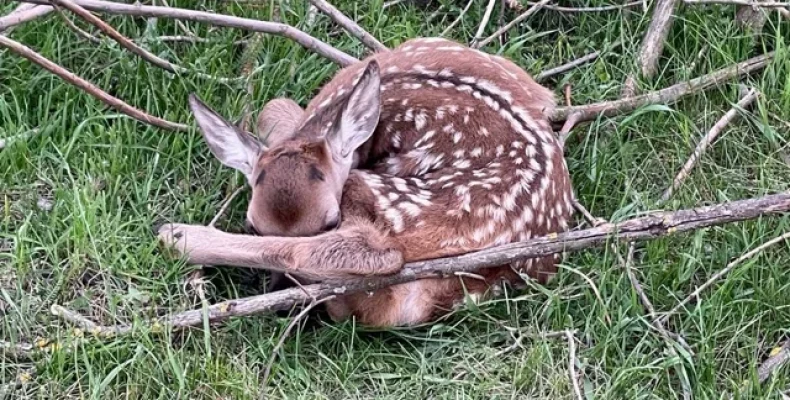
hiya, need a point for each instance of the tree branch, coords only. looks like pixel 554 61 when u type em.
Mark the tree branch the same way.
pixel 653 42
pixel 589 9
pixel 761 4
pixel 23 13
pixel 88 87
pixel 648 227
pixel 274 28
pixel 667 95
pixel 349 25
pixel 572 64
pixel 510 24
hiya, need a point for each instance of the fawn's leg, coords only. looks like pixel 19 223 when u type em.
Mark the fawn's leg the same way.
pixel 356 250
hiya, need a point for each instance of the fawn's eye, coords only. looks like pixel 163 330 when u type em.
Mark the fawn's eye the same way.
pixel 331 225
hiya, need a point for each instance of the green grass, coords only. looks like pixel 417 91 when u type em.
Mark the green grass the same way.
pixel 109 178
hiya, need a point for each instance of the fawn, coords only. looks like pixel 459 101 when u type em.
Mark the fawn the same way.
pixel 430 150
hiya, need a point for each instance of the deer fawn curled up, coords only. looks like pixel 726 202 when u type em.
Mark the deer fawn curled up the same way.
pixel 430 150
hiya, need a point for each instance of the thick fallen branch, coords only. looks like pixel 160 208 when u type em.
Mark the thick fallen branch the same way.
pixel 667 95
pixel 648 227
pixel 706 141
pixel 511 24
pixel 655 37
pixel 23 13
pixel 274 28
pixel 88 87
pixel 352 27
pixel 130 45
pixel 779 357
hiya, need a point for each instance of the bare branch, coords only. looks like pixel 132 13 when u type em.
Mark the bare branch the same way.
pixel 571 64
pixel 574 376
pixel 352 27
pixel 706 141
pixel 779 356
pixel 763 4
pixel 79 31
pixel 274 28
pixel 483 23
pixel 648 227
pixel 457 20
pixel 510 24
pixel 130 45
pixel 23 13
pixel 653 42
pixel 725 271
pixel 614 7
pixel 88 87
pixel 667 95
pixel 784 12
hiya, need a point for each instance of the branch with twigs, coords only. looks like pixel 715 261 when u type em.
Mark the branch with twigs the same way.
pixel 129 44
pixel 279 29
pixel 23 13
pixel 70 77
pixel 613 7
pixel 757 4
pixel 349 25
pixel 510 24
pixel 667 95
pixel 643 228
pixel 706 140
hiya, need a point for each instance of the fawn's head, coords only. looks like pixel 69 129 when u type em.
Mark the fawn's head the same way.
pixel 297 175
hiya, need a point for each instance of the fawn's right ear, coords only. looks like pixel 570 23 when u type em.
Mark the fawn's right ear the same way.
pixel 232 147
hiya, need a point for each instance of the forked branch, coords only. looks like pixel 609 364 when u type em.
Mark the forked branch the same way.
pixel 88 87
pixel 667 95
pixel 643 228
pixel 274 28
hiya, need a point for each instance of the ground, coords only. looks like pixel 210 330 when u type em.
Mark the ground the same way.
pixel 80 198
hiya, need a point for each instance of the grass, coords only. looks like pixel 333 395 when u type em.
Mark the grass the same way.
pixel 109 178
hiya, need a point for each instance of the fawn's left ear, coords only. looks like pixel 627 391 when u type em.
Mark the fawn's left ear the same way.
pixel 359 116
pixel 232 147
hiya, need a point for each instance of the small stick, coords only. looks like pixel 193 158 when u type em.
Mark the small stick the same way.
pixel 274 28
pixel 79 31
pixel 457 20
pixel 225 205
pixel 483 23
pixel 77 319
pixel 22 136
pixel 129 44
pixel 572 120
pixel 570 65
pixel 286 332
pixel 88 87
pixel 520 339
pixel 589 9
pixel 23 13
pixel 574 376
pixel 667 95
pixel 591 219
pixel 388 4
pixel 643 228
pixel 352 27
pixel 780 356
pixel 725 271
pixel 760 4
pixel 17 350
pixel 653 43
pixel 706 140
pixel 510 24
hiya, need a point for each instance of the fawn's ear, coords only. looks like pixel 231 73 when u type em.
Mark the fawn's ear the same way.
pixel 232 147
pixel 359 116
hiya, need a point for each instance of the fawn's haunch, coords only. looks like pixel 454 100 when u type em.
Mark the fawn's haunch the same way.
pixel 430 150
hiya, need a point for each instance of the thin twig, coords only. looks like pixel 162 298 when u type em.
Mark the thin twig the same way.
pixel 713 279
pixel 349 25
pixel 131 45
pixel 510 24
pixel 638 229
pixel 589 9
pixel 79 31
pixel 17 350
pixel 571 64
pixel 225 205
pixel 574 376
pixel 758 4
pixel 23 13
pixel 88 87
pixel 457 20
pixel 15 138
pixel 184 39
pixel 284 335
pixel 591 219
pixel 274 28
pixel 523 335
pixel 483 23
pixel 655 37
pixel 567 127
pixel 706 140
pixel 667 95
